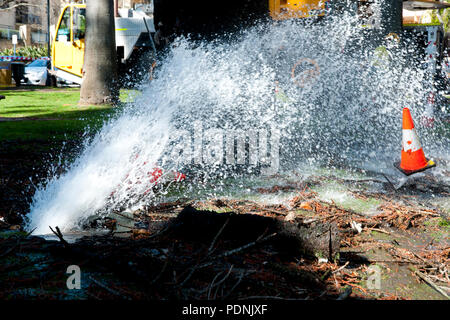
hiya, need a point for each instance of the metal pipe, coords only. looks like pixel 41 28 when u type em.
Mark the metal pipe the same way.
pixel 152 43
pixel 116 8
pixel 48 28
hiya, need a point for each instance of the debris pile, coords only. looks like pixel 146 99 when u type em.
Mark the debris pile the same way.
pixel 235 249
pixel 404 217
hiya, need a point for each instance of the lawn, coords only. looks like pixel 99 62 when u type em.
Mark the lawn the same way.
pixel 48 103
pixel 49 114
pixel 40 129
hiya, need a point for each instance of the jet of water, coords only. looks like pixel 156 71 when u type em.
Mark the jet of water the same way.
pixel 321 87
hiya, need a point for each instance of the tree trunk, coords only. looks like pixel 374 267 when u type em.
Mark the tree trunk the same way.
pixel 100 63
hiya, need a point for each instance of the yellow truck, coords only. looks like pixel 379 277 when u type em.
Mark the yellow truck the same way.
pixel 288 9
pixel 134 30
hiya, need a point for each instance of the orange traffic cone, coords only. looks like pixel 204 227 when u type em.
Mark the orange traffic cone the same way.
pixel 413 159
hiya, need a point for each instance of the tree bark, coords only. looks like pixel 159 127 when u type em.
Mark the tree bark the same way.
pixel 99 84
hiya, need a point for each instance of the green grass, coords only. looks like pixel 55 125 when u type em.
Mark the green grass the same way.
pixel 50 114
pixel 46 103
pixel 444 223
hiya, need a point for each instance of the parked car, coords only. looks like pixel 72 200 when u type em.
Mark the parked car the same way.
pixel 36 73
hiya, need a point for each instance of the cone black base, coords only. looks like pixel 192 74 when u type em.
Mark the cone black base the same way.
pixel 430 164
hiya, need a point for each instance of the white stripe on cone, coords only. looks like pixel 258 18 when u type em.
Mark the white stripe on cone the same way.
pixel 410 141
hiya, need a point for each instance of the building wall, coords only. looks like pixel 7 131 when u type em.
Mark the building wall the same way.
pixel 7 19
pixel 34 17
pixel 7 25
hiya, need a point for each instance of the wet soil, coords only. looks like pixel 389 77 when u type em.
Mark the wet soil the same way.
pixel 137 256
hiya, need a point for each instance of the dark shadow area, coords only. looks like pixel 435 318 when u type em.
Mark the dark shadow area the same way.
pixel 168 265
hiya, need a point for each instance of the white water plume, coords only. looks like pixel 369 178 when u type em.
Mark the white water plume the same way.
pixel 348 112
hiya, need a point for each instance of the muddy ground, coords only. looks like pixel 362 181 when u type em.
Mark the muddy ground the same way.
pixel 393 244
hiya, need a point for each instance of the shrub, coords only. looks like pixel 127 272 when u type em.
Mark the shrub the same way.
pixel 33 52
